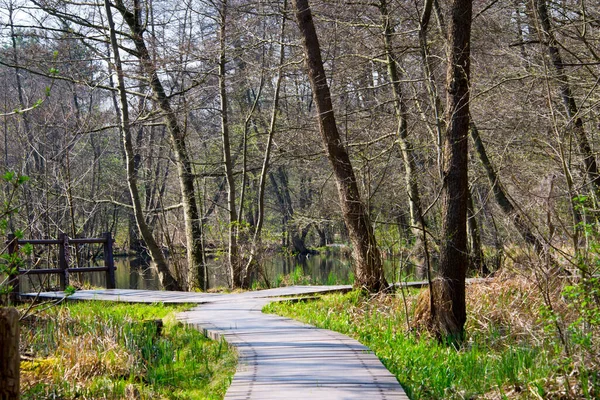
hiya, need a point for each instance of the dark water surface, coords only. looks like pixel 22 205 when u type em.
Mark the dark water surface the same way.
pixel 326 268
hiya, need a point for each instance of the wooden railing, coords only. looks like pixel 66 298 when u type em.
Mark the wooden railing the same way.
pixel 63 266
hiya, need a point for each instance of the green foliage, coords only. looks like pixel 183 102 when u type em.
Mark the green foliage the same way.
pixel 10 263
pixel 115 350
pixel 70 290
pixel 297 277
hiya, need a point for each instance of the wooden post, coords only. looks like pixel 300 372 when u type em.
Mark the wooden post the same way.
pixel 13 279
pixel 63 263
pixel 9 354
pixel 109 261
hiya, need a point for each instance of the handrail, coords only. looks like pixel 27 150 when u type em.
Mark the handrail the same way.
pixel 63 268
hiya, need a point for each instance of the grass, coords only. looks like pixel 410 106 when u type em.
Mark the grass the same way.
pixel 509 352
pixel 102 350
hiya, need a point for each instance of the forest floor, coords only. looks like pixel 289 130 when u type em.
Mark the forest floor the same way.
pixel 105 350
pixel 524 340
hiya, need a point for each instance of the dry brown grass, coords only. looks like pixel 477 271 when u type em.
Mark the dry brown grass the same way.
pixel 85 357
pixel 79 355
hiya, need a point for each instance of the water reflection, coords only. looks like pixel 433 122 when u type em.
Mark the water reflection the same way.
pixel 326 268
pixel 131 273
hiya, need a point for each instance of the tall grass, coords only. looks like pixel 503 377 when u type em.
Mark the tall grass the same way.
pixel 100 350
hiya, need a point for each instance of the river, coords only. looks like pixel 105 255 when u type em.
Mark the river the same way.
pixel 326 268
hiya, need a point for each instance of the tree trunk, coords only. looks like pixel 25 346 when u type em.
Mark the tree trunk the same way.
pixel 430 78
pixel 575 123
pixel 196 277
pixel 235 273
pixel 406 147
pixel 250 265
pixel 519 221
pixel 166 278
pixel 369 270
pixel 282 192
pixel 477 260
pixel 9 351
pixel 448 310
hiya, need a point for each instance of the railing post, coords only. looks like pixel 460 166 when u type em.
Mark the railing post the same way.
pixel 13 248
pixel 109 261
pixel 63 264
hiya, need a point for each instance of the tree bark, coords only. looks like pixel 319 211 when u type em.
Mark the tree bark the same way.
pixel 235 273
pixel 166 278
pixel 448 310
pixel 196 277
pixel 369 270
pixel 9 354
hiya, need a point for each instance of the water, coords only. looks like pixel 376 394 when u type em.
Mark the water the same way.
pixel 326 268
pixel 130 273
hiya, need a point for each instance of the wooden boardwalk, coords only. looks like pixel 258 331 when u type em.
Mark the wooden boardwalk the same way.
pixel 279 358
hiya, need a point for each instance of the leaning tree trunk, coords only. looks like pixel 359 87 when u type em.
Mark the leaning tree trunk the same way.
pixel 164 274
pixel 448 310
pixel 369 270
pixel 575 123
pixel 196 277
pixel 502 199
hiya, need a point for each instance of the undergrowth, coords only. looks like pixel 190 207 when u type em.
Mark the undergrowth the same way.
pixel 512 349
pixel 100 350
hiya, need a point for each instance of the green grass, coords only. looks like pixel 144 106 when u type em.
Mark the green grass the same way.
pixel 100 350
pixel 487 363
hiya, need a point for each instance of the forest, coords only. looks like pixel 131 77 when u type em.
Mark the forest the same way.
pixel 459 135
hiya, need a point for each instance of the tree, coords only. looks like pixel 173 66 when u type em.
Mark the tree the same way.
pixel 448 311
pixel 575 122
pixel 165 276
pixel 417 221
pixel 196 277
pixel 368 267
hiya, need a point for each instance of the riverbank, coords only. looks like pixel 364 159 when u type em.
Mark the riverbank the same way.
pixel 113 350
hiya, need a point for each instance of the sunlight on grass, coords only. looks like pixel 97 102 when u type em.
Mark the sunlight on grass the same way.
pixel 115 351
pixel 487 366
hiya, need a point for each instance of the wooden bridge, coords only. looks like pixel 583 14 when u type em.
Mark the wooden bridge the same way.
pixel 279 358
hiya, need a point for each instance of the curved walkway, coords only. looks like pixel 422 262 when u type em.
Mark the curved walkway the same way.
pixel 279 358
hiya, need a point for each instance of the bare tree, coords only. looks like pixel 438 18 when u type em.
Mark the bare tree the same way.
pixel 166 278
pixel 369 270
pixel 193 229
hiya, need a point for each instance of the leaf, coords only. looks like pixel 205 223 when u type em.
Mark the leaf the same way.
pixel 70 290
pixel 8 176
pixel 27 248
